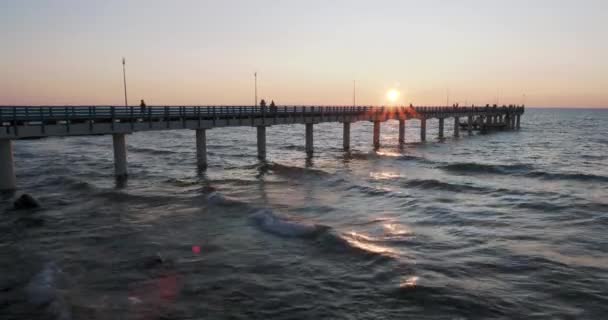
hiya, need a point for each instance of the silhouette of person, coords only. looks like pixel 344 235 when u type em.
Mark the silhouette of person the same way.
pixel 142 104
pixel 273 107
pixel 263 105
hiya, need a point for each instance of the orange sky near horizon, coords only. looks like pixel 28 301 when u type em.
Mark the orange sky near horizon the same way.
pixel 205 53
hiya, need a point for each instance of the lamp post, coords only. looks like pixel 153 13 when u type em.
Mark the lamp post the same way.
pixel 255 89
pixel 124 79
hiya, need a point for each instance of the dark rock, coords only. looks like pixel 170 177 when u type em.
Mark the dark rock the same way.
pixel 26 202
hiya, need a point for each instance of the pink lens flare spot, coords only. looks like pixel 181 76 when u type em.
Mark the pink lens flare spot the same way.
pixel 196 249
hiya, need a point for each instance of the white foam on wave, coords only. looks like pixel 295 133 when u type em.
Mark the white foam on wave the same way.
pixel 42 291
pixel 282 226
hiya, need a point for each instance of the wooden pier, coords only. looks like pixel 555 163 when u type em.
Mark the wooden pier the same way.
pixel 21 122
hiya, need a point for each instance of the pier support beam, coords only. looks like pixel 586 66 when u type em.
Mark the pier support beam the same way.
pixel 346 136
pixel 120 154
pixel 8 181
pixel 422 129
pixel 456 127
pixel 261 142
pixel 201 149
pixel 441 121
pixel 517 121
pixel 401 132
pixel 470 125
pixel 376 134
pixel 309 139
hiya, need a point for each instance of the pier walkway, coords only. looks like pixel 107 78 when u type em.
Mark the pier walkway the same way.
pixel 21 122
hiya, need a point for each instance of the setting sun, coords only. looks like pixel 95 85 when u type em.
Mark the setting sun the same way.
pixel 392 95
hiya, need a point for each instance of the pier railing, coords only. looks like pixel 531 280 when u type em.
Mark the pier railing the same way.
pixel 51 114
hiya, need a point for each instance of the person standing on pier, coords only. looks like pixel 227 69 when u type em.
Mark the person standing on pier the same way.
pixel 263 106
pixel 142 105
pixel 273 107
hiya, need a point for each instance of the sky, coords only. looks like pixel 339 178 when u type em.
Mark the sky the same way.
pixel 68 52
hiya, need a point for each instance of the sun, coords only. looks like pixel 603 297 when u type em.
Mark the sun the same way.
pixel 392 95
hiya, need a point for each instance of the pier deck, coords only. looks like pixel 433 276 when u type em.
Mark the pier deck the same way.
pixel 21 122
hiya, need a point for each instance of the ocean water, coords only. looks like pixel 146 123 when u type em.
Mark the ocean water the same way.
pixel 504 225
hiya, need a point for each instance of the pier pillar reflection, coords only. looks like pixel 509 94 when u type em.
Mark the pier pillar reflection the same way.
pixel 261 142
pixel 309 139
pixel 120 154
pixel 376 134
pixel 346 136
pixel 8 180
pixel 201 149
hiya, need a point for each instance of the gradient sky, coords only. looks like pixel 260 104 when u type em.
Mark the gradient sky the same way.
pixel 305 52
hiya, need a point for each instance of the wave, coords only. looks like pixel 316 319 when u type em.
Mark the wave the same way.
pixel 384 155
pixel 266 220
pixel 473 167
pixel 520 170
pixel 369 190
pixel 283 226
pixel 285 170
pixel 567 176
pixel 182 183
pixel 150 150
pixel 432 184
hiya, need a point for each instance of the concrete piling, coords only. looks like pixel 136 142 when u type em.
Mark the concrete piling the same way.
pixel 441 121
pixel 201 149
pixel 8 180
pixel 401 132
pixel 456 127
pixel 376 134
pixel 309 139
pixel 120 154
pixel 423 129
pixel 261 133
pixel 346 136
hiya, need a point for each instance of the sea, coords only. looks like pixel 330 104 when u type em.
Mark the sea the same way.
pixel 505 225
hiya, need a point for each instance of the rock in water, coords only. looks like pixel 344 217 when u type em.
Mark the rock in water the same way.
pixel 26 202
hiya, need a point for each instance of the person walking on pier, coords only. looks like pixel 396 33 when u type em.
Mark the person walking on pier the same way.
pixel 273 107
